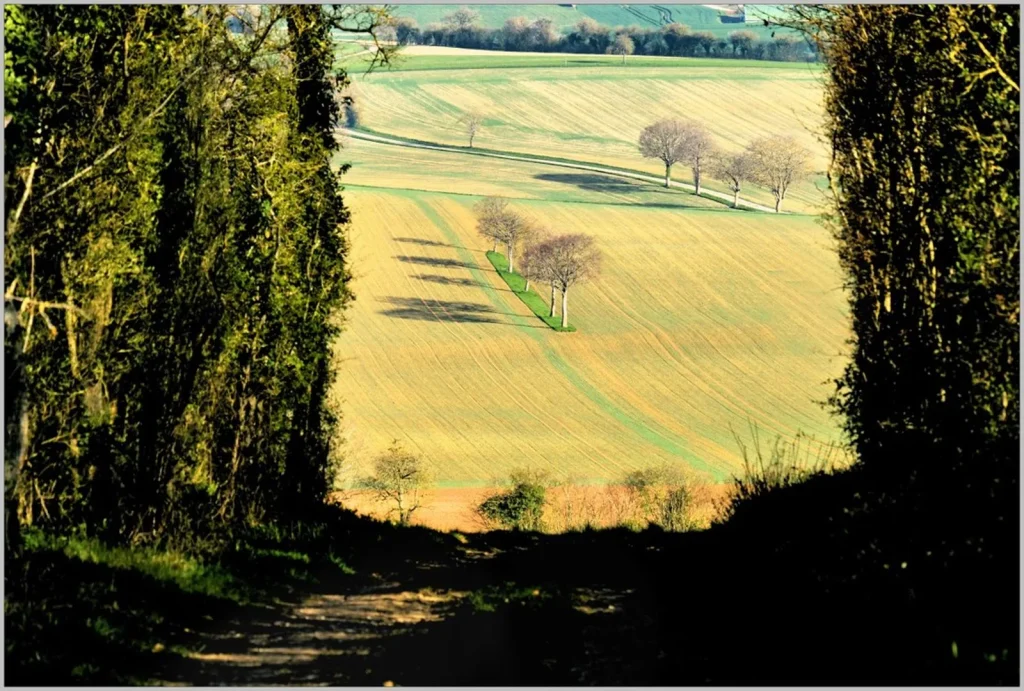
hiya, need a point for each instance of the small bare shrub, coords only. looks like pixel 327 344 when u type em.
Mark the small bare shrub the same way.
pixel 399 478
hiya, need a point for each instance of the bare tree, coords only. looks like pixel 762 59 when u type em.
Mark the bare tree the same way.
pixel 777 162
pixel 664 140
pixel 462 19
pixel 570 259
pixel 698 150
pixel 375 20
pixel 472 121
pixel 734 170
pixel 622 45
pixel 399 477
pixel 741 41
pixel 499 223
pixel 517 229
pixel 490 212
pixel 532 266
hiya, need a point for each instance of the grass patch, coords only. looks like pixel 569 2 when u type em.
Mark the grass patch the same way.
pixel 80 611
pixel 504 61
pixel 531 299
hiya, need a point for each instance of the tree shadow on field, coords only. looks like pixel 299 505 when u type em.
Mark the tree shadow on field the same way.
pixel 429 243
pixel 430 309
pixel 608 184
pixel 455 281
pixel 440 262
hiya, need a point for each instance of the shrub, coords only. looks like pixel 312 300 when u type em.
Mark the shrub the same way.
pixel 399 477
pixel 657 495
pixel 522 506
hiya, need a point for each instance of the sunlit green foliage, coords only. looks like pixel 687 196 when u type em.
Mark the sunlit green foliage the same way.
pixel 175 266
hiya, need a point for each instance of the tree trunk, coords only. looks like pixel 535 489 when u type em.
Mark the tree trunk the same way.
pixel 735 199
pixel 471 140
pixel 778 204
pixel 668 174
pixel 511 258
pixel 527 288
pixel 552 299
pixel 696 181
pixel 565 308
pixel 495 248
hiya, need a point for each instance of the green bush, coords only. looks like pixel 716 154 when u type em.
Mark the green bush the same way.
pixel 520 508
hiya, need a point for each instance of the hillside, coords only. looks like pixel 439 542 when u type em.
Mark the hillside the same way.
pixel 591 108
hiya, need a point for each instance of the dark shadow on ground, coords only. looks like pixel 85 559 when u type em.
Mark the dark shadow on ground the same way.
pixel 429 309
pixel 439 262
pixel 430 243
pixel 455 281
pixel 843 579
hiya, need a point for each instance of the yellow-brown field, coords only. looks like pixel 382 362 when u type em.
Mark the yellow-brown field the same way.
pixel 703 319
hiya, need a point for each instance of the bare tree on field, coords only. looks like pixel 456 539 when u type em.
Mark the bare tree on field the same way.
pixel 735 170
pixel 517 229
pixel 399 477
pixel 777 162
pixel 489 213
pixel 622 45
pixel 532 266
pixel 570 259
pixel 497 222
pixel 664 140
pixel 698 150
pixel 473 122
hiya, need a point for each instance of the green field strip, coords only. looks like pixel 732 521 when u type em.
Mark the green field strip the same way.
pixel 635 423
pixel 447 63
pixel 531 299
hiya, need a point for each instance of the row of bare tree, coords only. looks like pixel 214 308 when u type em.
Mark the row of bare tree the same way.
pixel 775 162
pixel 561 261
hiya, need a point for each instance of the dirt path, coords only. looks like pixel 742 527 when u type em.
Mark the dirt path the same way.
pixel 416 620
pixel 724 198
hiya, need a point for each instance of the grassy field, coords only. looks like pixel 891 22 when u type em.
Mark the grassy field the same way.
pixel 704 318
pixel 589 108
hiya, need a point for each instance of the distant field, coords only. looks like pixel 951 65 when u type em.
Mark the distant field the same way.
pixel 705 318
pixel 590 108
pixel 696 17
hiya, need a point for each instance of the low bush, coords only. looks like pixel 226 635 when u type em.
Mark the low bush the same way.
pixel 522 506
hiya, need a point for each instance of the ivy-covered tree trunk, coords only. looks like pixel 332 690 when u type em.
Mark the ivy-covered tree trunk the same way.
pixel 322 254
pixel 926 179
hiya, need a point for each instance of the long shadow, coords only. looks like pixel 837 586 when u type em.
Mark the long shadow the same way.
pixel 608 184
pixel 456 281
pixel 595 182
pixel 431 309
pixel 440 262
pixel 429 243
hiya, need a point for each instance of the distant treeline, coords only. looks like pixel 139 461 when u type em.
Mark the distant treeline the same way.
pixel 461 29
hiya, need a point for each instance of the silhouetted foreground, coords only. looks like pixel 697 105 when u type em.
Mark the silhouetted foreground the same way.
pixel 828 582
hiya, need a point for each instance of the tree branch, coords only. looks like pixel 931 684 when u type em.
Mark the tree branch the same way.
pixel 117 147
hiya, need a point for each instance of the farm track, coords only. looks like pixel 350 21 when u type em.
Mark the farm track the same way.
pixel 724 198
